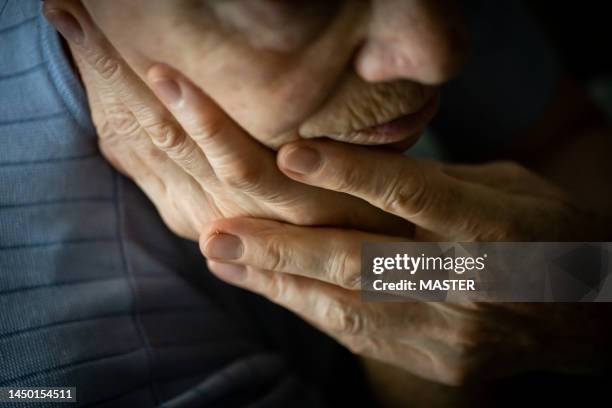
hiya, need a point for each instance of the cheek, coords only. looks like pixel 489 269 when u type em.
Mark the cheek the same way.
pixel 270 110
pixel 260 97
pixel 269 98
pixel 268 94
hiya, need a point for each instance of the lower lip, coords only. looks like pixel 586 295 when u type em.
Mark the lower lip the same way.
pixel 402 129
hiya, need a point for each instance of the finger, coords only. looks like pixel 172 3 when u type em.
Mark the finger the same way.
pixel 237 159
pixel 416 190
pixel 242 163
pixel 362 327
pixel 402 360
pixel 131 108
pixel 326 254
pixel 504 176
pixel 337 311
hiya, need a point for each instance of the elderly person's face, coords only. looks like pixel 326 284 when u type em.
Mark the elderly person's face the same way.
pixel 285 69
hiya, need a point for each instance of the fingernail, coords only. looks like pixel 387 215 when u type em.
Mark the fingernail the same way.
pixel 224 247
pixel 302 160
pixel 67 25
pixel 230 272
pixel 168 90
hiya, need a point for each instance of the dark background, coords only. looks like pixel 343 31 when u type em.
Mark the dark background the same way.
pixel 581 33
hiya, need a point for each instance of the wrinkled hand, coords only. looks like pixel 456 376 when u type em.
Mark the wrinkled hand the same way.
pixel 187 155
pixel 315 272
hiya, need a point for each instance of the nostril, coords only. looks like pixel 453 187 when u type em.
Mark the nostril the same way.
pixel 66 24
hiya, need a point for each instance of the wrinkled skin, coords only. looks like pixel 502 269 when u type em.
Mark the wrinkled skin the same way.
pixel 197 164
pixel 289 69
pixel 193 161
pixel 316 272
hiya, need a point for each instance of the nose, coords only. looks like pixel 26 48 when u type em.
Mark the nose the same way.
pixel 420 40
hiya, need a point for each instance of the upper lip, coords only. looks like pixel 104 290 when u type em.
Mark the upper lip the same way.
pixel 379 132
pixel 357 113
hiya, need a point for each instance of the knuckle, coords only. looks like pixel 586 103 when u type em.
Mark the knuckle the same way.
pixel 347 180
pixel 241 176
pixel 407 194
pixel 345 270
pixel 344 318
pixel 105 131
pixel 107 67
pixel 123 122
pixel 166 137
pixel 275 289
pixel 363 345
pixel 206 128
pixel 275 254
pixel 177 147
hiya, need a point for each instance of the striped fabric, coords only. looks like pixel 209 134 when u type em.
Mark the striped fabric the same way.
pixel 94 291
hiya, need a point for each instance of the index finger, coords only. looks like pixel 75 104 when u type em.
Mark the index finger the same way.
pixel 327 254
pixel 416 190
pixel 236 158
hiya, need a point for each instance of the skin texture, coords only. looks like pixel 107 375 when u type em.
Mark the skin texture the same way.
pixel 316 272
pixel 194 162
pixel 192 159
pixel 195 158
pixel 323 68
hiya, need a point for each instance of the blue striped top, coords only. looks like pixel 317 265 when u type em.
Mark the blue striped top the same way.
pixel 95 292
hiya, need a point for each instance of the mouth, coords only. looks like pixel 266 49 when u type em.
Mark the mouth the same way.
pixel 405 128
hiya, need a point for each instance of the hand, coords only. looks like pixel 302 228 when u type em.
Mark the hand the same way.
pixel 192 160
pixel 315 272
pixel 498 201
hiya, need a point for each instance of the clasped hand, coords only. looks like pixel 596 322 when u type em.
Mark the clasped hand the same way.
pixel 289 225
